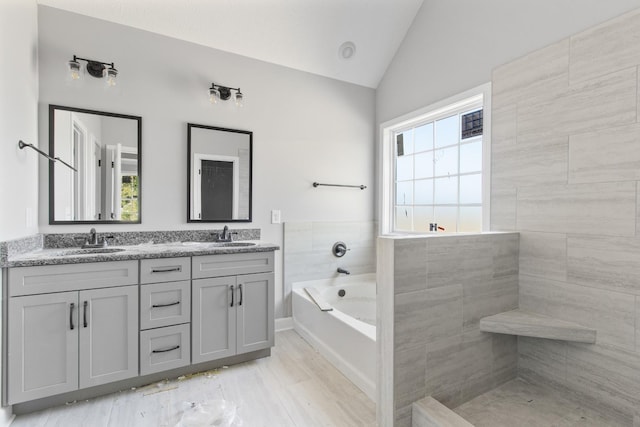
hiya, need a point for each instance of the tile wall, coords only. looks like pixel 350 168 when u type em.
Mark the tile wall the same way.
pixel 308 255
pixel 565 172
pixel 432 292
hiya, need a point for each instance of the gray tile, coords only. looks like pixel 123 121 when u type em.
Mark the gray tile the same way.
pixel 459 260
pixel 606 47
pixel 503 207
pixel 605 155
pixel 638 324
pixel 444 312
pixel 531 161
pixel 410 265
pixel 544 70
pixel 503 125
pixel 608 375
pixel 458 366
pixel 542 361
pixel 544 255
pixel 604 262
pixel 524 323
pixel 496 296
pixel 354 234
pixel 402 417
pixel 506 249
pixel 578 208
pixel 505 358
pixel 409 376
pixel 297 237
pixel 612 314
pixel 604 102
pixel 427 315
pixel 520 403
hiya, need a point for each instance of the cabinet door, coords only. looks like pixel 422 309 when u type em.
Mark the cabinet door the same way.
pixel 108 322
pixel 254 312
pixel 214 319
pixel 43 346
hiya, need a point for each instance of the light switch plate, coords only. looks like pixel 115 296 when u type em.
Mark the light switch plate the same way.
pixel 275 217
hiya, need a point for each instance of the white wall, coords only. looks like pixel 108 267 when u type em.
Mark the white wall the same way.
pixel 18 120
pixel 306 128
pixel 452 46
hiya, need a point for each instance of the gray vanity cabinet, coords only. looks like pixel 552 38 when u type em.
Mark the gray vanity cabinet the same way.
pixel 232 314
pixel 70 338
pixel 43 347
pixel 214 320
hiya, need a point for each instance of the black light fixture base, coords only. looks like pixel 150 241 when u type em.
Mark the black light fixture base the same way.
pixel 95 69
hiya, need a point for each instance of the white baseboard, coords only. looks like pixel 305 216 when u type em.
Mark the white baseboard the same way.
pixel 284 323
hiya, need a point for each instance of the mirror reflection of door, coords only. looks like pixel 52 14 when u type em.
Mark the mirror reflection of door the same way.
pixel 216 185
pixel 104 148
pixel 216 189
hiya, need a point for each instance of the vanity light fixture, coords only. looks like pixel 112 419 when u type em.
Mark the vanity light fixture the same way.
pixel 96 69
pixel 218 92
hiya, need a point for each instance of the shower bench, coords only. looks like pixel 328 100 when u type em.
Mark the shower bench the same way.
pixel 518 322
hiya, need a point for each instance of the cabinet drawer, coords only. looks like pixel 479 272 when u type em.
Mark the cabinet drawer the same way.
pixel 165 304
pixel 71 277
pixel 165 270
pixel 232 264
pixel 164 348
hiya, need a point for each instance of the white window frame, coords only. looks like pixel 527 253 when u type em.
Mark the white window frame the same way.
pixel 386 157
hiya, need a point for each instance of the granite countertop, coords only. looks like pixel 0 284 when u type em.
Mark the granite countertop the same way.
pixel 76 255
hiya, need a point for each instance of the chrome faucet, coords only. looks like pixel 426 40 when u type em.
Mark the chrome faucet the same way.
pixel 343 271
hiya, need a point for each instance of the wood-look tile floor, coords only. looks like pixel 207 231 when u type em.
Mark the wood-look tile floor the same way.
pixel 296 386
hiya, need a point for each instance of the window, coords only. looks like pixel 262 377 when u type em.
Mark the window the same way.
pixel 434 167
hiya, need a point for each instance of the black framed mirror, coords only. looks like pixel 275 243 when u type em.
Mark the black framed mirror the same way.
pixel 105 152
pixel 219 174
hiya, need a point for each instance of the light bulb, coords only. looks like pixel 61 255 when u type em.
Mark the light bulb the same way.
pixel 239 98
pixel 74 69
pixel 111 75
pixel 213 95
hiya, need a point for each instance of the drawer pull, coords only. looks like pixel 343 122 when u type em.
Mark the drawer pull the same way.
pixel 165 305
pixel 240 302
pixel 166 349
pixel 166 270
pixel 71 306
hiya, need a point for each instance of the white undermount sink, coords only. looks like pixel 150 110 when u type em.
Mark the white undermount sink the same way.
pixel 88 251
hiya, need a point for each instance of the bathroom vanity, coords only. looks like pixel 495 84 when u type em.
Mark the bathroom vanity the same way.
pixel 81 325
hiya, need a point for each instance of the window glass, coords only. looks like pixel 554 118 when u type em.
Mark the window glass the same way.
pixel 424 192
pixel 424 138
pixel 471 189
pixel 424 165
pixel 446 161
pixel 447 131
pixel 446 190
pixel 471 157
pixel 438 174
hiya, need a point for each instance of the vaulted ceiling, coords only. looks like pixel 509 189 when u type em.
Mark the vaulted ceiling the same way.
pixel 305 35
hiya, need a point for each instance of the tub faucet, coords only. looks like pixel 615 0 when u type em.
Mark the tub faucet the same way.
pixel 343 271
